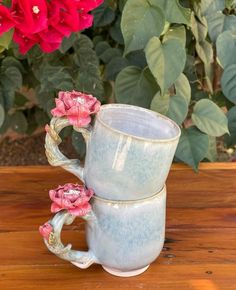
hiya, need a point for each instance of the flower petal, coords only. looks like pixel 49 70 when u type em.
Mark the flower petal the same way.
pixel 55 207
pixel 80 211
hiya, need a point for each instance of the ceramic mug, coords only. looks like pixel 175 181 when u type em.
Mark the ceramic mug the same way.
pixel 123 236
pixel 129 151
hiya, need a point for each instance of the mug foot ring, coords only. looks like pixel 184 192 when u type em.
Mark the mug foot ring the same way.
pixel 119 273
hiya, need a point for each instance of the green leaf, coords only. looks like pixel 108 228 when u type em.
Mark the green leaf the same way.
pixel 116 65
pixel 115 31
pixel 12 78
pixel 87 67
pixel 182 88
pixel 160 103
pixel 6 39
pixel 122 4
pixel 18 122
pixel 212 6
pixel 103 15
pixel 226 47
pixel 54 77
pixel 174 12
pixel 203 47
pixel 97 39
pixel 101 47
pixel 219 22
pixel 9 98
pixel 6 124
pixel 135 86
pixel 67 43
pixel 109 54
pixel 176 106
pixel 82 42
pixel 137 58
pixel 209 118
pixel 205 51
pixel 166 61
pixel 231 139
pixel 43 98
pixel 178 109
pixel 212 151
pixel 192 147
pixel 177 33
pixel 199 28
pixel 228 83
pixel 11 61
pixel 2 115
pixel 209 76
pixel 140 21
pixel 89 82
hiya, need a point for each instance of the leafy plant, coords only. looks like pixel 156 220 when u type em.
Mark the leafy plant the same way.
pixel 175 57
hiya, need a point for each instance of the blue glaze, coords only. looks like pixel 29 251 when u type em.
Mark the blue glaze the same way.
pixel 123 236
pixel 129 152
pixel 127 235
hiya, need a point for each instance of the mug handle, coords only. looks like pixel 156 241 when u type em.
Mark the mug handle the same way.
pixel 52 141
pixel 81 259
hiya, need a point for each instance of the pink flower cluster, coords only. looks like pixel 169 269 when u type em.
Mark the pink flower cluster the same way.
pixel 76 106
pixel 72 197
pixel 45 22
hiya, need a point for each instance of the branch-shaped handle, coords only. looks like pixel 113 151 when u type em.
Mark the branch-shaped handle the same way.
pixel 52 141
pixel 81 259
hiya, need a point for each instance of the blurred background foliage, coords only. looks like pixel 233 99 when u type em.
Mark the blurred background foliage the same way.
pixel 175 57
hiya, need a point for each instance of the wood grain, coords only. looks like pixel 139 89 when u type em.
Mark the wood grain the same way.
pixel 200 248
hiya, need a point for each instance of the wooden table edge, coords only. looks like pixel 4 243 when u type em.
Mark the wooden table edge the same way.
pixel 174 167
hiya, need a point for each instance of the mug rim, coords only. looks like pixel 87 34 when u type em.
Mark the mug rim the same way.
pixel 134 201
pixel 114 105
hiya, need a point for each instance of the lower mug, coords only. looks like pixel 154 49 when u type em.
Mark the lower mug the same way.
pixel 123 236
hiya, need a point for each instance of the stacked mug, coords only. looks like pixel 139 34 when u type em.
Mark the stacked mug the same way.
pixel 129 151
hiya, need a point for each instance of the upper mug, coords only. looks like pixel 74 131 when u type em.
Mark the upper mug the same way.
pixel 129 151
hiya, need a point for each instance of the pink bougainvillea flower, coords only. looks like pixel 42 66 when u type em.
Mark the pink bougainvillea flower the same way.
pixel 85 21
pixel 84 6
pixel 6 20
pixel 65 16
pixel 88 5
pixel 50 40
pixel 49 46
pixel 25 41
pixel 63 19
pixel 30 15
pixel 45 230
pixel 72 197
pixel 77 107
pixel 46 22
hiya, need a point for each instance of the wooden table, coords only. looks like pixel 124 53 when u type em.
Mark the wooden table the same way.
pixel 200 248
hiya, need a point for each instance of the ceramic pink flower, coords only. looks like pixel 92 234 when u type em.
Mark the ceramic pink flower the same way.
pixel 45 230
pixel 72 197
pixel 77 107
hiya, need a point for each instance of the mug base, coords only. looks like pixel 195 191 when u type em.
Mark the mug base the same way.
pixel 119 273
